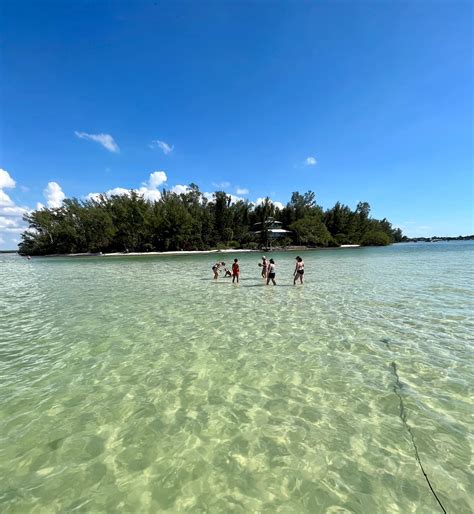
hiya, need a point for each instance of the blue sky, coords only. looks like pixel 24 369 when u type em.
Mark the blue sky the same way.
pixel 357 101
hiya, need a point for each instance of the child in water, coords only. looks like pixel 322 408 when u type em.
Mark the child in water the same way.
pixel 235 271
pixel 216 269
pixel 271 272
pixel 264 266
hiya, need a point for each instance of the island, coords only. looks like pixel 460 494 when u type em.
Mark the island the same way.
pixel 192 221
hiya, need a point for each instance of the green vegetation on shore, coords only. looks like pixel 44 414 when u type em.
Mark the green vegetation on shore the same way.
pixel 190 222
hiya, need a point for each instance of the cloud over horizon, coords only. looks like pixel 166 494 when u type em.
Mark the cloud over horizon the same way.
pixel 11 215
pixel 54 195
pixel 106 140
pixel 149 189
pixel 261 200
pixel 310 161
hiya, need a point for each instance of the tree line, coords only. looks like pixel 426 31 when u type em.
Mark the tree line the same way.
pixel 189 221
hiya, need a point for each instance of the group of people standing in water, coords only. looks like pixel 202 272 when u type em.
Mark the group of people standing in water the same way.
pixel 268 270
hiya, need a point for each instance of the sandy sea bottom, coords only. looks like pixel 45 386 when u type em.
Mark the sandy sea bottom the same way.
pixel 140 385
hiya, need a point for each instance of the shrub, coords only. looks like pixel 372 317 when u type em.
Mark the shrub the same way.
pixel 284 242
pixel 342 239
pixel 375 238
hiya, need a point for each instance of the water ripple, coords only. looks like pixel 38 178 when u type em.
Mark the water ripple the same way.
pixel 139 385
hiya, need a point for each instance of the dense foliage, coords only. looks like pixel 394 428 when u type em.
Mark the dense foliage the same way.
pixel 190 222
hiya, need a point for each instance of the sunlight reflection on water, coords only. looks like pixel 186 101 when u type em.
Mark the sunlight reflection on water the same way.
pixel 138 385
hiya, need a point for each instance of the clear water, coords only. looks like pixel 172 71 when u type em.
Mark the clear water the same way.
pixel 138 385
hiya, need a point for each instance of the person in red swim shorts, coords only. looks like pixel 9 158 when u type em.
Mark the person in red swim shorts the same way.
pixel 235 271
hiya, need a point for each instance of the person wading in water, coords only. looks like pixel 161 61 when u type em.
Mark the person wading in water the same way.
pixel 271 272
pixel 299 270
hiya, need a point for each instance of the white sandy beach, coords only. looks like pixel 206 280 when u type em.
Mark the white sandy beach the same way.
pixel 194 252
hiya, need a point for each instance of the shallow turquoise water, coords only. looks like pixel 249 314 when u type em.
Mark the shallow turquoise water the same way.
pixel 138 384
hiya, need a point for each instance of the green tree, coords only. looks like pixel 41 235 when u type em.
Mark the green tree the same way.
pixel 189 221
pixel 310 230
pixel 375 238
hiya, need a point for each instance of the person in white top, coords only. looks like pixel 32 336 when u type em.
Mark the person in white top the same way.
pixel 271 272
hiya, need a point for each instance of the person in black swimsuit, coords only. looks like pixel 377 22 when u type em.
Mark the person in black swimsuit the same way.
pixel 299 270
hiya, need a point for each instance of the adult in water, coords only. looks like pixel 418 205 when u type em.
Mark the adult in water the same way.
pixel 299 270
pixel 264 265
pixel 271 272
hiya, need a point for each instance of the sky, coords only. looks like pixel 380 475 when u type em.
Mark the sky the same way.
pixel 356 101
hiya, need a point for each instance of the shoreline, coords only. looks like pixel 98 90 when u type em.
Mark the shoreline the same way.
pixel 192 252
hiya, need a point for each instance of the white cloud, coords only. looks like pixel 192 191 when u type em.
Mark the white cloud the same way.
pixel 116 191
pixel 11 215
pixel 233 199
pixel 310 161
pixel 208 196
pixel 259 201
pixel 156 179
pixel 5 199
pixel 6 180
pixel 242 191
pixel 13 230
pixel 180 190
pixel 14 210
pixel 150 195
pixel 106 140
pixel 149 189
pixel 162 145
pixel 6 222
pixel 54 195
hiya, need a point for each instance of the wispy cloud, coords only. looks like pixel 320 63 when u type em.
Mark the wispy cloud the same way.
pixel 242 191
pixel 54 195
pixel 106 140
pixel 221 185
pixel 162 145
pixel 310 161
